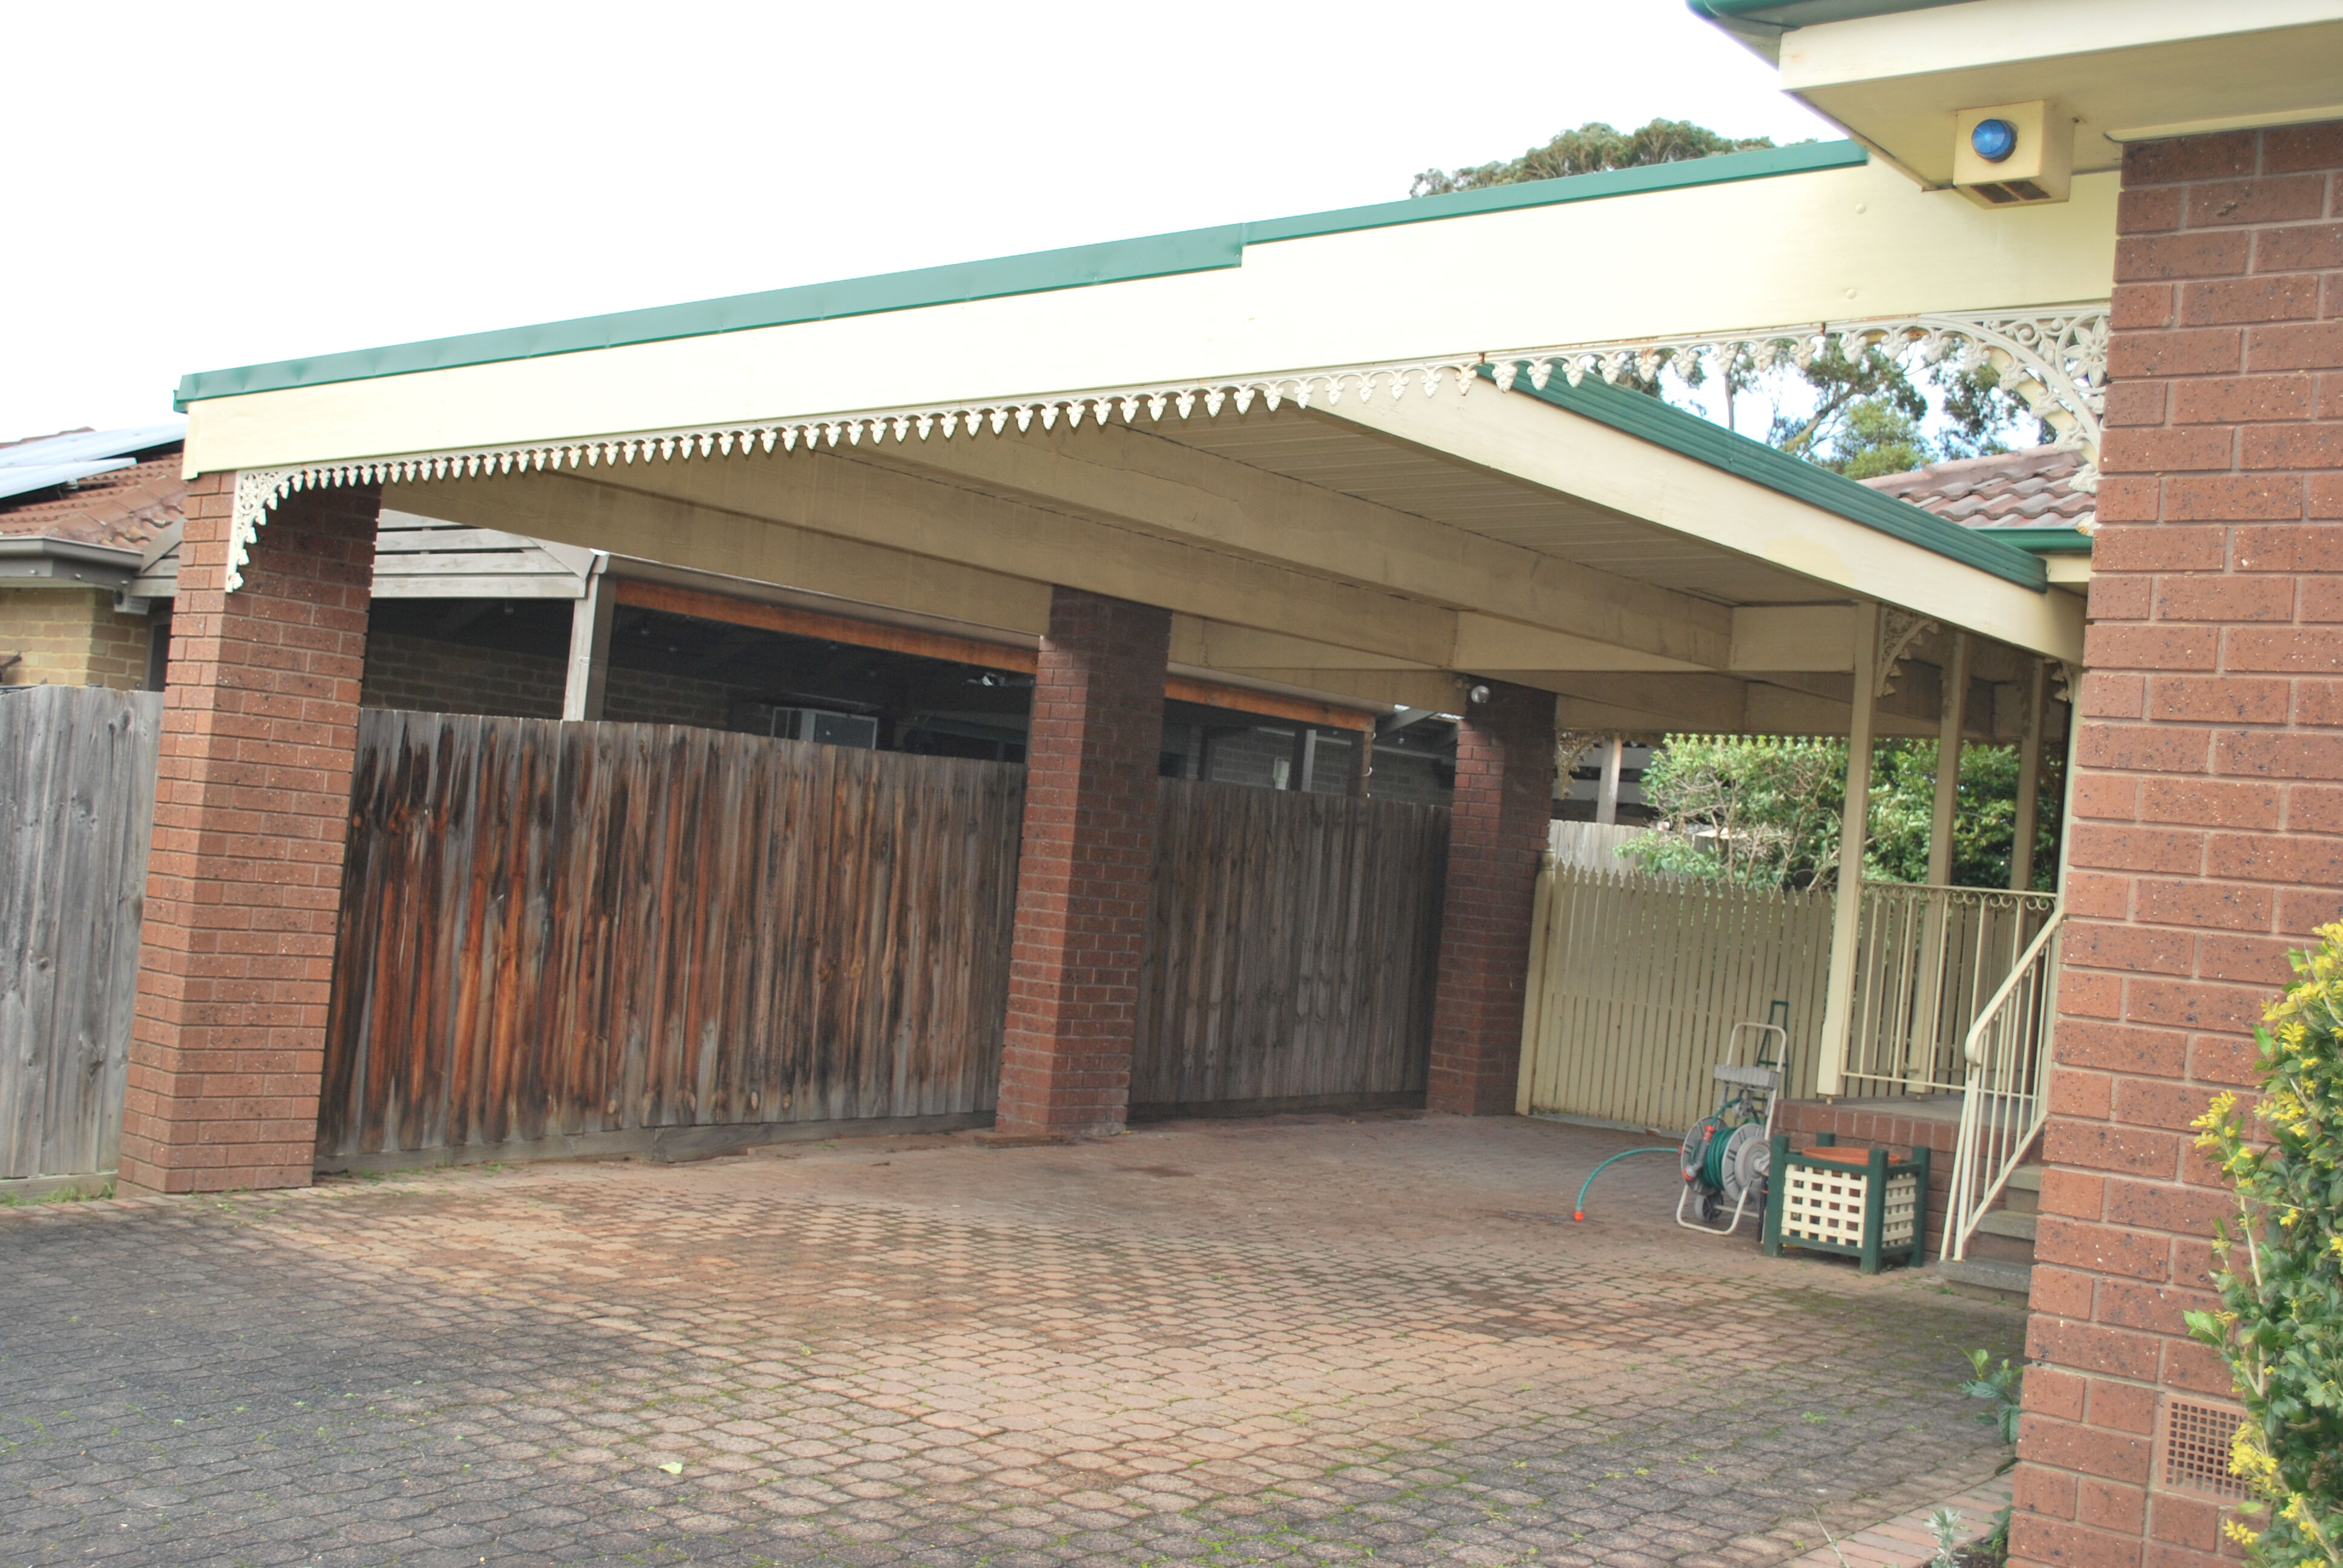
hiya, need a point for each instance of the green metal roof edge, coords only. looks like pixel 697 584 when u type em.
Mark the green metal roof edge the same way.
pixel 1037 272
pixel 2043 541
pixel 1724 168
pixel 1650 419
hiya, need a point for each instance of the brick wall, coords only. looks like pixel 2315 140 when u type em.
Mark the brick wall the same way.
pixel 1085 867
pixel 70 636
pixel 2208 823
pixel 244 880
pixel 426 675
pixel 1496 838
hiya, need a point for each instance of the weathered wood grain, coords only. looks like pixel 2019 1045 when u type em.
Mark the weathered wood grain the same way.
pixel 76 815
pixel 555 932
pixel 1291 944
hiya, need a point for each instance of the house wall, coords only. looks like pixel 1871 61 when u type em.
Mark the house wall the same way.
pixel 425 675
pixel 71 636
pixel 2208 824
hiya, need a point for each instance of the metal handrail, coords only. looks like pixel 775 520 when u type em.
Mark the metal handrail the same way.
pixel 2018 1096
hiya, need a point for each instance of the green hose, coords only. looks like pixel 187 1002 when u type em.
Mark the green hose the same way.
pixel 1578 1210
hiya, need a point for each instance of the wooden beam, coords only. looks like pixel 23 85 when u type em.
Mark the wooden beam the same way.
pixel 794 622
pixel 1269 704
pixel 588 680
pixel 1153 481
pixel 645 506
pixel 1530 440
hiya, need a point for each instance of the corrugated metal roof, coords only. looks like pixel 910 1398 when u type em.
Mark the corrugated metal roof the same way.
pixel 23 479
pixel 87 445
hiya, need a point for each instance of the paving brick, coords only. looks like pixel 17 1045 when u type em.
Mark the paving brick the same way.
pixel 1303 1339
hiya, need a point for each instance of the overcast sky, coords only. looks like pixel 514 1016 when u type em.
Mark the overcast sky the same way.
pixel 196 186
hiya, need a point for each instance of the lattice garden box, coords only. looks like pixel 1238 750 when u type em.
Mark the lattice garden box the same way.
pixel 1862 1202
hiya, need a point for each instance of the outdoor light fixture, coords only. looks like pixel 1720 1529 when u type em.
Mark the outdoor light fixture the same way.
pixel 1477 695
pixel 2013 154
pixel 1994 140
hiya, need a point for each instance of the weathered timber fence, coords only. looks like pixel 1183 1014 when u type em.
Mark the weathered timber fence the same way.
pixel 605 938
pixel 1636 982
pixel 1290 951
pixel 77 814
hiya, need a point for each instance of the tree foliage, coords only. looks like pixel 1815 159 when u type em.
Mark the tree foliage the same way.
pixel 2280 1323
pixel 1591 148
pixel 1766 811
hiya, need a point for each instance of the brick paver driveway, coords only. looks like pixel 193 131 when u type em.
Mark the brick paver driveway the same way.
pixel 1306 1340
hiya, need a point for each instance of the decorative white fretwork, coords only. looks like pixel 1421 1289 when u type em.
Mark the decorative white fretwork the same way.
pixel 2058 360
pixel 2055 361
pixel 1899 629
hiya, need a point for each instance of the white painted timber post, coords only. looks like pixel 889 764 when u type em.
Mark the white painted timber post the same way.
pixel 590 645
pixel 1952 711
pixel 1922 1049
pixel 2066 795
pixel 1855 826
pixel 2029 786
pixel 1606 800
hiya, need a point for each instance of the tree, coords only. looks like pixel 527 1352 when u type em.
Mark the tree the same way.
pixel 2281 1322
pixel 1591 148
pixel 1766 811
pixel 1742 808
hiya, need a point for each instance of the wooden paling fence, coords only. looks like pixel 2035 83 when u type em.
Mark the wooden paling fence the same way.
pixel 1636 982
pixel 76 815
pixel 1291 949
pixel 604 937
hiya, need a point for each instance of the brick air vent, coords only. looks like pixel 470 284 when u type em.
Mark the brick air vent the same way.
pixel 2197 1448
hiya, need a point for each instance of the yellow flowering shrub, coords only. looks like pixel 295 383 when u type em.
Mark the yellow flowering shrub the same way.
pixel 2281 1271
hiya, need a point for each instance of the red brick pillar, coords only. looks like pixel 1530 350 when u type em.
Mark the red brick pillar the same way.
pixel 1496 836
pixel 244 883
pixel 2208 831
pixel 1083 872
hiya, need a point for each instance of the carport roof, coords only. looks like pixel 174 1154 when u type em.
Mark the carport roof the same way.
pixel 1038 272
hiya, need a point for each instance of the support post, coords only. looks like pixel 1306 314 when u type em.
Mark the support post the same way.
pixel 1086 863
pixel 1497 844
pixel 1952 710
pixel 590 645
pixel 1923 1047
pixel 1606 798
pixel 1305 759
pixel 244 883
pixel 1854 823
pixel 2024 831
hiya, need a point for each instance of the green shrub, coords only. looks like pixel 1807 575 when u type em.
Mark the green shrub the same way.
pixel 2280 1275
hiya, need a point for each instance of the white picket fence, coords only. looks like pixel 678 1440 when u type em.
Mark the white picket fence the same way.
pixel 1590 846
pixel 1636 980
pixel 1635 983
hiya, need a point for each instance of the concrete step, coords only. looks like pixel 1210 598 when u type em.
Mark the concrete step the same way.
pixel 2009 1222
pixel 2025 1178
pixel 2010 1281
pixel 1999 1248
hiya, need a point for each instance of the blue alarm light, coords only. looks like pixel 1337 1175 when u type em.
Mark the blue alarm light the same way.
pixel 1994 140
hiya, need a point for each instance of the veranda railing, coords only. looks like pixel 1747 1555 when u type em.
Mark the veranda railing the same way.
pixel 1929 961
pixel 2007 1058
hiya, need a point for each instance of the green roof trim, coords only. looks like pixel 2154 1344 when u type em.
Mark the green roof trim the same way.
pixel 2043 541
pixel 1078 267
pixel 1648 418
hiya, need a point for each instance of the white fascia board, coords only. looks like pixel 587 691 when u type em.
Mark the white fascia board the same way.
pixel 1825 246
pixel 1516 434
pixel 2126 70
pixel 1993 32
